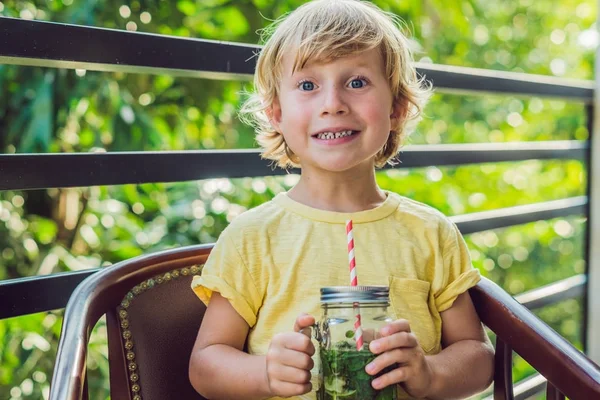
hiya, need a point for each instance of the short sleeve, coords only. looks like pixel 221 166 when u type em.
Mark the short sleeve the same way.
pixel 459 275
pixel 227 273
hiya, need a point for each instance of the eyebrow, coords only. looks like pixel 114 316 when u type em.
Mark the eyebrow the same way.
pixel 359 64
pixel 363 64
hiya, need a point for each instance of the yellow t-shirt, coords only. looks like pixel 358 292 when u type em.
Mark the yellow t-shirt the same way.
pixel 271 262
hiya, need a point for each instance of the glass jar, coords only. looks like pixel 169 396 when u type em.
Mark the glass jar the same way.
pixel 342 363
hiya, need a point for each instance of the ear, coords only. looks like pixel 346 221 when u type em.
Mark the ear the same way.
pixel 274 114
pixel 398 112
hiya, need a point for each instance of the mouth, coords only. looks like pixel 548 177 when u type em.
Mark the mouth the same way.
pixel 331 135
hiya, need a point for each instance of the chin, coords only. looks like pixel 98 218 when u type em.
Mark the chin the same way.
pixel 340 166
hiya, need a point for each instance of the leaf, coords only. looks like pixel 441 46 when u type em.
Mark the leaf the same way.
pixel 233 19
pixel 45 230
pixel 37 134
pixel 186 7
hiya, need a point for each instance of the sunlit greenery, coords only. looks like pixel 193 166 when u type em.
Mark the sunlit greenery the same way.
pixel 47 110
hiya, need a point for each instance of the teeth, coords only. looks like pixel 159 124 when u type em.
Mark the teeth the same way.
pixel 332 135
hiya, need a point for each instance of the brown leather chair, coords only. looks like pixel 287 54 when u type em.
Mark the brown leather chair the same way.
pixel 153 318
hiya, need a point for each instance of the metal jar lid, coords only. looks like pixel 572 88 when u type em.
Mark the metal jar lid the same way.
pixel 355 294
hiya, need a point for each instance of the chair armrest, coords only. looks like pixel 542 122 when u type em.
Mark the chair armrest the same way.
pixel 565 367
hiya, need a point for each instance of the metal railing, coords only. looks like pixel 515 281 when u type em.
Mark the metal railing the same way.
pixel 33 43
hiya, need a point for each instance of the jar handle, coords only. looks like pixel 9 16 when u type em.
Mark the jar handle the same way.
pixel 317 332
pixel 318 335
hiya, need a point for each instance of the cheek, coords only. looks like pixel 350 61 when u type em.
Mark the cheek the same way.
pixel 378 115
pixel 295 119
pixel 294 110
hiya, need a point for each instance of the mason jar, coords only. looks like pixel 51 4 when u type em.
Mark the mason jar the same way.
pixel 342 361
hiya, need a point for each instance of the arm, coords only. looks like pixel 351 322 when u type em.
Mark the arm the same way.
pixel 219 368
pixel 466 364
pixel 464 367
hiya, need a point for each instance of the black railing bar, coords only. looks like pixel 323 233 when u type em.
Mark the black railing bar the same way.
pixel 43 171
pixel 58 45
pixel 467 80
pixel 40 43
pixel 510 216
pixel 35 294
pixel 552 293
pixel 477 153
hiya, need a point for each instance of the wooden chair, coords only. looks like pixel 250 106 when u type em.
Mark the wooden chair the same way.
pixel 152 319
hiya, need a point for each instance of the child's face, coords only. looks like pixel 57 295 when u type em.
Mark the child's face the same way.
pixel 348 97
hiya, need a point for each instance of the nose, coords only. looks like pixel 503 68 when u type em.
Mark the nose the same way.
pixel 334 102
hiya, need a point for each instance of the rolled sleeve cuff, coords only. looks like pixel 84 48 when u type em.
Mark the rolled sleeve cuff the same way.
pixel 205 286
pixel 463 283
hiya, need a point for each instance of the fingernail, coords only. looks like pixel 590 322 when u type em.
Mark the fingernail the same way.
pixel 375 383
pixel 370 367
pixel 375 346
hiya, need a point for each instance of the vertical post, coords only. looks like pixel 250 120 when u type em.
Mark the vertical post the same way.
pixel 593 255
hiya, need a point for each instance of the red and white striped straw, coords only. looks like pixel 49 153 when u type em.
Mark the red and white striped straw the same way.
pixel 352 261
pixel 358 337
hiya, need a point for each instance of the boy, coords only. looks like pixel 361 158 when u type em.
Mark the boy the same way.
pixel 335 95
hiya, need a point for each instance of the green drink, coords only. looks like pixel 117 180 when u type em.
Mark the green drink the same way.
pixel 343 356
pixel 344 376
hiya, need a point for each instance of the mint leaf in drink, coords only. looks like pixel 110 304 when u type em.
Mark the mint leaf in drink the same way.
pixel 345 376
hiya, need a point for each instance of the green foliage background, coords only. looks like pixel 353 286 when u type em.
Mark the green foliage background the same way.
pixel 47 110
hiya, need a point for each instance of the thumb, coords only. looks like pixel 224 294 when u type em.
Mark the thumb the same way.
pixel 302 322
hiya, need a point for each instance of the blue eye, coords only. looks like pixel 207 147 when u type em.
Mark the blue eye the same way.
pixel 358 83
pixel 307 85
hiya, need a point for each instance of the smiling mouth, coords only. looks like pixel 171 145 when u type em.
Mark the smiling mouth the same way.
pixel 334 135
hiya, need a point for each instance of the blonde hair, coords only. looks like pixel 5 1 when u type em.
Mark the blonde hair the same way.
pixel 325 30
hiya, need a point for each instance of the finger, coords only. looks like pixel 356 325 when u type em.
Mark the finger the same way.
pixel 307 332
pixel 397 340
pixel 393 377
pixel 288 374
pixel 295 359
pixel 400 325
pixel 387 359
pixel 300 343
pixel 303 321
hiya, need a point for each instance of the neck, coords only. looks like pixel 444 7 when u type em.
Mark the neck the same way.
pixel 347 191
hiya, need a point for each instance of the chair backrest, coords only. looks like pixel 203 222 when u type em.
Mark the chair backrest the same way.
pixel 151 335
pixel 152 321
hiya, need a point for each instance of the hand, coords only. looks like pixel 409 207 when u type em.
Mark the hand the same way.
pixel 399 347
pixel 289 360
